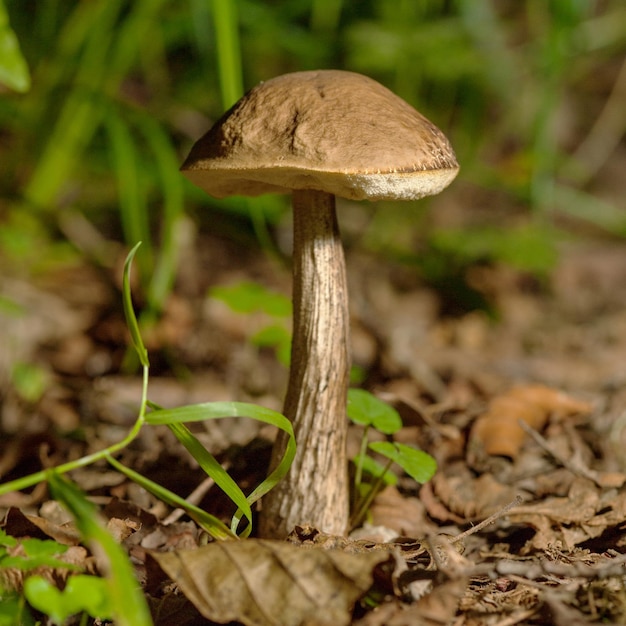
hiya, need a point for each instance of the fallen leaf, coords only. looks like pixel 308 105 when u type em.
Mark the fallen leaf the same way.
pixel 497 432
pixel 459 497
pixel 406 515
pixel 271 583
pixel 585 513
pixel 440 605
pixel 17 524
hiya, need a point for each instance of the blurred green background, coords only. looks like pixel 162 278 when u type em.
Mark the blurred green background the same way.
pixel 101 100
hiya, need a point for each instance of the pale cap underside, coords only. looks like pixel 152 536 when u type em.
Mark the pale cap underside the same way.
pixel 329 130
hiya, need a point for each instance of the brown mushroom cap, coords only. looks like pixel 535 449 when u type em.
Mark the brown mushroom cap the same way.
pixel 329 130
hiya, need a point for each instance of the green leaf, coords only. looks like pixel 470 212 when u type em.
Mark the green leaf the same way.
pixel 277 337
pixel 133 200
pixel 213 469
pixel 91 594
pixel 211 524
pixel 217 410
pixel 529 248
pixel 127 600
pixel 366 409
pixel 42 548
pixel 82 593
pixel 13 610
pixel 249 297
pixel 171 183
pixel 45 597
pixel 416 463
pixel 7 540
pixel 8 307
pixel 37 553
pixel 376 470
pixel 129 311
pixel 13 68
pixel 29 380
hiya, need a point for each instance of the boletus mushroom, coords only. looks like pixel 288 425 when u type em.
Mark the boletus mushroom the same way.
pixel 318 135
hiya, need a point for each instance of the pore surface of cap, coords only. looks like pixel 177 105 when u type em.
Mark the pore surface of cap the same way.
pixel 329 130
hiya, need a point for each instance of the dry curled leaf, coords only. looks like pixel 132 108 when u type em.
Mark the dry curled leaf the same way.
pixel 271 583
pixel 498 431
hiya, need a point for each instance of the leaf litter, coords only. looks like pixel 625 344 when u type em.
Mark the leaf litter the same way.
pixel 524 416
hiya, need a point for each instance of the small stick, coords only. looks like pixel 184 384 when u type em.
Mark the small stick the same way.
pixel 577 468
pixel 194 497
pixel 489 520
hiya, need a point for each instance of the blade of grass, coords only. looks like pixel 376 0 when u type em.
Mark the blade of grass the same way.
pixel 171 184
pixel 211 524
pixel 226 24
pixel 13 68
pixel 226 27
pixel 215 410
pixel 132 194
pixel 81 112
pixel 127 600
pixel 325 16
pixel 213 469
pixel 129 311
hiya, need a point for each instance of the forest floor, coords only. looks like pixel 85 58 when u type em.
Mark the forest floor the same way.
pixel 525 413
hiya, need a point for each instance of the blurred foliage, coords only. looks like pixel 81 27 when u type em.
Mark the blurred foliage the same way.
pixel 13 69
pixel 29 381
pixel 247 298
pixel 532 94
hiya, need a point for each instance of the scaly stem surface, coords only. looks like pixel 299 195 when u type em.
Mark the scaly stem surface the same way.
pixel 315 491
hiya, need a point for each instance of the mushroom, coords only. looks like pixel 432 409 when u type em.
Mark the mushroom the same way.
pixel 317 135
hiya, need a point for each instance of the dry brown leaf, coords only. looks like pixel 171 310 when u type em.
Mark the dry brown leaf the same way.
pixel 17 524
pixel 460 497
pixel 440 605
pixel 498 432
pixel 585 513
pixel 405 515
pixel 436 608
pixel 271 583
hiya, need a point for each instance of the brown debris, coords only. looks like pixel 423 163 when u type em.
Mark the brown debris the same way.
pixel 498 430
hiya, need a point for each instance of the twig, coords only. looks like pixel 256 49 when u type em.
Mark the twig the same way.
pixel 489 520
pixel 194 497
pixel 577 468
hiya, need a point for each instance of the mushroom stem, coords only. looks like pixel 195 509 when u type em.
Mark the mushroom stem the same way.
pixel 315 491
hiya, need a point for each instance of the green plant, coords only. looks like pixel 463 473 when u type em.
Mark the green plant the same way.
pixel 121 581
pixel 116 595
pixel 33 553
pixel 25 556
pixel 13 68
pixel 368 411
pixel 150 413
pixel 29 380
pixel 88 594
pixel 13 609
pixel 246 298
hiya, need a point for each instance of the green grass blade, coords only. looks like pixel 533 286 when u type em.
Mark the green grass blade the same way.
pixel 132 194
pixel 92 34
pixel 127 600
pixel 211 524
pixel 225 19
pixel 13 69
pixel 216 410
pixel 325 16
pixel 129 311
pixel 171 183
pixel 213 469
